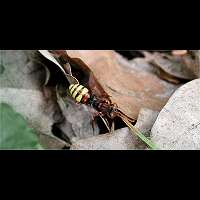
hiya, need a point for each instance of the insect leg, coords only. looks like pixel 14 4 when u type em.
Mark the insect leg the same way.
pixel 93 115
pixel 93 122
pixel 113 127
pixel 105 122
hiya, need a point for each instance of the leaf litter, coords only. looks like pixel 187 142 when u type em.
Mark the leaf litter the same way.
pixel 143 82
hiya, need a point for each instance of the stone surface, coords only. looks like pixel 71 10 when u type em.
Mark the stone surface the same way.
pixel 178 124
pixel 17 70
pixel 145 121
pixel 51 142
pixel 31 104
pixel 121 139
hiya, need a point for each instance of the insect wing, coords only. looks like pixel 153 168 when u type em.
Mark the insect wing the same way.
pixel 49 56
pixel 81 71
pixel 71 79
pixel 86 77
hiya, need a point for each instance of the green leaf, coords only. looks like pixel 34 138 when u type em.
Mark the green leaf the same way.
pixel 14 131
pixel 140 135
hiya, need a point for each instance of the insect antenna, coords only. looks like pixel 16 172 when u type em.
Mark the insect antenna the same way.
pixel 122 115
pixel 112 127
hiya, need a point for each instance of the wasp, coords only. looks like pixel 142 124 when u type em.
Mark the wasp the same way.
pixel 84 88
pixel 104 107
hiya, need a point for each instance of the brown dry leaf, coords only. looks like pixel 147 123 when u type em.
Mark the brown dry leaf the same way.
pixel 131 89
pixel 165 76
pixel 51 142
pixel 145 65
pixel 197 67
pixel 173 66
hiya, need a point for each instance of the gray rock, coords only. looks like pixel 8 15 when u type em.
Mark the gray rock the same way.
pixel 178 124
pixel 51 142
pixel 145 121
pixel 18 70
pixel 121 139
pixel 31 104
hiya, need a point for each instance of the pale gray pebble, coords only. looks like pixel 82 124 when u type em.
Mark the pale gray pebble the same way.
pixel 121 139
pixel 145 121
pixel 178 124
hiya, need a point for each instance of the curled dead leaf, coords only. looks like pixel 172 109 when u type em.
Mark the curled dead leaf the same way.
pixel 179 66
pixel 66 69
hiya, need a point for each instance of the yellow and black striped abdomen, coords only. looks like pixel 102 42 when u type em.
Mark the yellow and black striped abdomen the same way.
pixel 79 93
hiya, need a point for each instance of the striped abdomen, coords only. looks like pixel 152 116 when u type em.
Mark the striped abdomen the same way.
pixel 79 93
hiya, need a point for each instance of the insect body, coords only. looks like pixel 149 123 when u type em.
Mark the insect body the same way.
pixel 93 94
pixel 103 105
pixel 79 93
